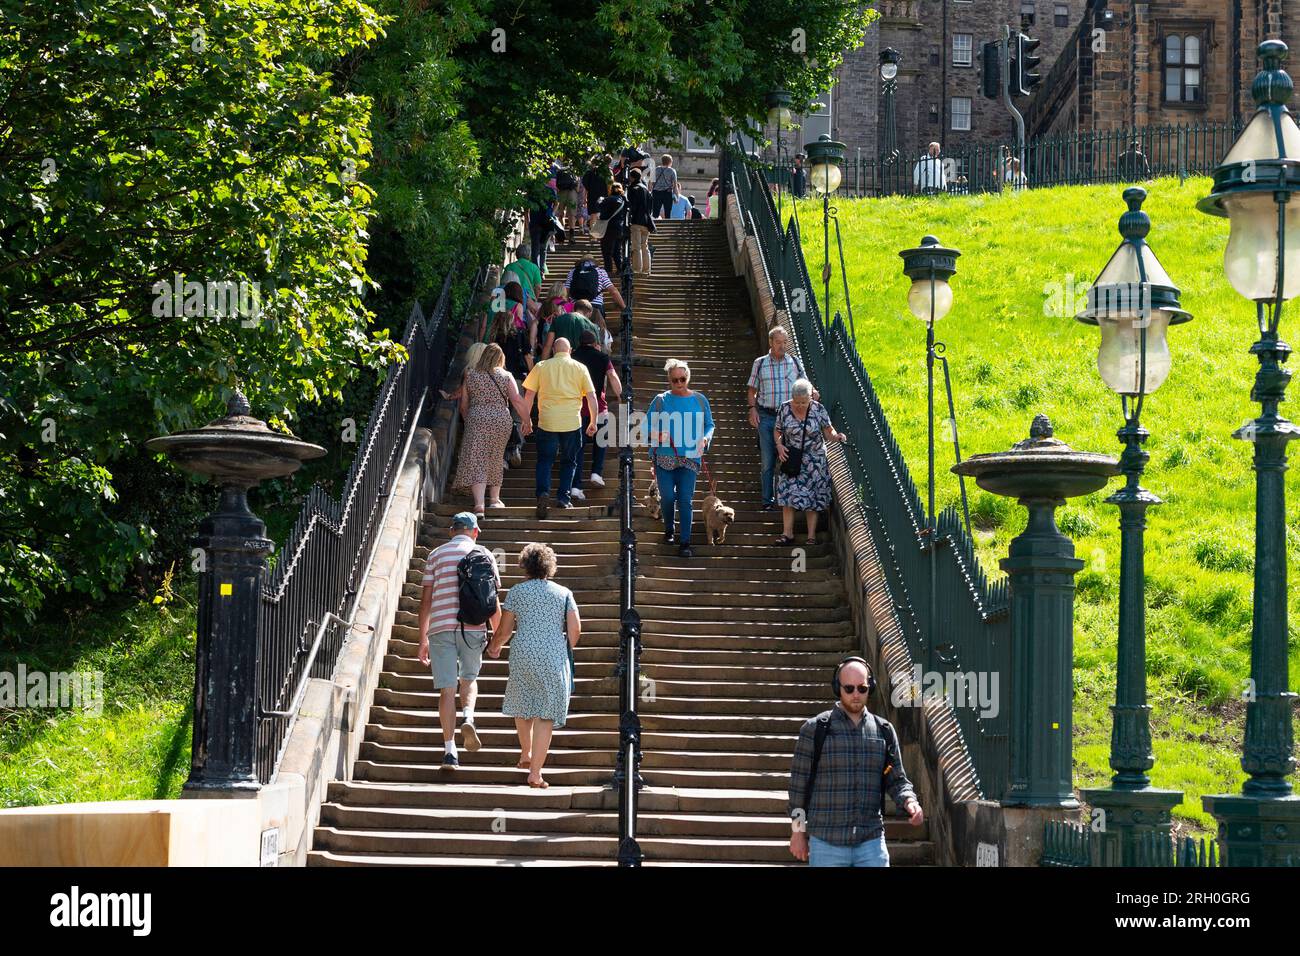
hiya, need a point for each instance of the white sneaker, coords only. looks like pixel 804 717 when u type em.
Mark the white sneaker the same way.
pixel 577 493
pixel 597 480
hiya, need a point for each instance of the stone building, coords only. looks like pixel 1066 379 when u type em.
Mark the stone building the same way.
pixel 1133 64
pixel 938 94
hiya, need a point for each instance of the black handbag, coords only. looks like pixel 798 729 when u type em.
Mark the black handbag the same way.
pixel 793 463
pixel 516 439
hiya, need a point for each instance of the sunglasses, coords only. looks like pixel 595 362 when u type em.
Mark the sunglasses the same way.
pixel 850 688
pixel 677 381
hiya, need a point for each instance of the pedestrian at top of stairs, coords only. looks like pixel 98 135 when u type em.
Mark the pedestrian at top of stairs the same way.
pixel 543 617
pixel 454 649
pixel 845 761
pixel 681 430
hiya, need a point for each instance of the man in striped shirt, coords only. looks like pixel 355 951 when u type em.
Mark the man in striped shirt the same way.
pixel 769 388
pixel 455 650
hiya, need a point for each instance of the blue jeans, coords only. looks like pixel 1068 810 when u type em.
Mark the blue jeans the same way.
pixel 767 448
pixel 566 444
pixel 677 487
pixel 868 853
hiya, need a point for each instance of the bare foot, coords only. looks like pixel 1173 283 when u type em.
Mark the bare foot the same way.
pixel 524 761
pixel 535 780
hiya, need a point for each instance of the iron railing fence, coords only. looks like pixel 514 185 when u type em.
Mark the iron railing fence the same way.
pixel 1069 844
pixel 309 597
pixel 970 635
pixel 1099 157
pixel 627 773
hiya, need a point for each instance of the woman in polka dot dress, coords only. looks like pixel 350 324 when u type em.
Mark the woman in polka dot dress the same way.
pixel 541 662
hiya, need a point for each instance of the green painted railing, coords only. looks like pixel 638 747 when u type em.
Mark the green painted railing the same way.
pixel 970 633
pixel 1073 844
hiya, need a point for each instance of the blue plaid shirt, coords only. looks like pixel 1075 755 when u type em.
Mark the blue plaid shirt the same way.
pixel 845 805
pixel 772 379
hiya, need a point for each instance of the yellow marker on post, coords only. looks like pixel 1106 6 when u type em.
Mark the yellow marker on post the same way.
pixel 227 589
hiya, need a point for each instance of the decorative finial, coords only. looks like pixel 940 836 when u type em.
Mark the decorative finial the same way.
pixel 1134 224
pixel 238 404
pixel 1272 86
pixel 1041 427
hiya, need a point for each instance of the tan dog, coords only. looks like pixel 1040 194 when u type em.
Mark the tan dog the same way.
pixel 717 517
pixel 651 501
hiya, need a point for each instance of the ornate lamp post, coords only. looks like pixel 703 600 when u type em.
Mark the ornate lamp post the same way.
pixel 778 115
pixel 889 59
pixel 930 266
pixel 237 452
pixel 1253 187
pixel 1134 302
pixel 825 156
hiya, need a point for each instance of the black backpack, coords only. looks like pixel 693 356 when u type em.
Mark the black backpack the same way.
pixel 586 281
pixel 476 582
pixel 564 179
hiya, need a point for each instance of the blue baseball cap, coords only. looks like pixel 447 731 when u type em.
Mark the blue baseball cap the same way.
pixel 465 519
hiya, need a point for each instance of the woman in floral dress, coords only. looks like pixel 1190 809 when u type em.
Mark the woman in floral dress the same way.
pixel 545 616
pixel 803 423
pixel 487 396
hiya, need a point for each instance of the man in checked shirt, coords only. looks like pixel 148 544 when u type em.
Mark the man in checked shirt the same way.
pixel 770 378
pixel 836 795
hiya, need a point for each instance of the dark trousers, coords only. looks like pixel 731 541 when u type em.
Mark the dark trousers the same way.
pixel 539 237
pixel 598 451
pixel 612 248
pixel 565 446
pixel 661 199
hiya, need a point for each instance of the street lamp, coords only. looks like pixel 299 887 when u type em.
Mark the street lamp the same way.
pixel 1252 188
pixel 889 59
pixel 930 266
pixel 825 156
pixel 1133 302
pixel 778 115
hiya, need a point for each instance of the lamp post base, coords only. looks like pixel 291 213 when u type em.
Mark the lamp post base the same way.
pixel 1255 832
pixel 1129 818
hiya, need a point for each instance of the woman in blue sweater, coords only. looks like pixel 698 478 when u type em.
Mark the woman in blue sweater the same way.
pixel 681 429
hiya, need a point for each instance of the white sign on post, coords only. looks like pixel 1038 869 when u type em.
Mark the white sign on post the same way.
pixel 986 854
pixel 271 847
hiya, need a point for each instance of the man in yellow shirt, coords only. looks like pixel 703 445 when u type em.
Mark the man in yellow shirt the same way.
pixel 560 385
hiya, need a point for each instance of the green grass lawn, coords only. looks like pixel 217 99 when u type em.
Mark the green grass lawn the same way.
pixel 1011 360
pixel 138 746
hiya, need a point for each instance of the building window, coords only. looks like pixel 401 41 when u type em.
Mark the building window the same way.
pixel 962 45
pixel 695 143
pixel 1062 14
pixel 1027 12
pixel 818 121
pixel 934 115
pixel 1183 65
pixel 961 112
pixel 936 55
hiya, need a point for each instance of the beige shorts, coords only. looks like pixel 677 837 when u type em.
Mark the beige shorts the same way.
pixel 567 199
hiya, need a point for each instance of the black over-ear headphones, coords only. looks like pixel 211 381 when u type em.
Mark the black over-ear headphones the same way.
pixel 871 675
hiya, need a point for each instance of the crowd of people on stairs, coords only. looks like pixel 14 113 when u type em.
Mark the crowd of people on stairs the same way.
pixel 540 368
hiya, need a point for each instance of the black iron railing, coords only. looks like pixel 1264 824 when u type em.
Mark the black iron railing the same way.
pixel 310 596
pixel 1079 159
pixel 627 772
pixel 966 630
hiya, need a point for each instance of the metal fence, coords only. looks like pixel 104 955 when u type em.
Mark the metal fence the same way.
pixel 1108 156
pixel 1068 844
pixel 966 628
pixel 310 595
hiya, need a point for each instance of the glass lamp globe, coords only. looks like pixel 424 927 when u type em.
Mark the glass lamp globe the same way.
pixel 826 177
pixel 888 70
pixel 1251 259
pixel 779 117
pixel 919 298
pixel 1119 360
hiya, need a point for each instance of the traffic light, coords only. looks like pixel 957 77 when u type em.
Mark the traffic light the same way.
pixel 992 70
pixel 1023 80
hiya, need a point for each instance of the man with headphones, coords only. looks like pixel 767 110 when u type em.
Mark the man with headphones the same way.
pixel 845 761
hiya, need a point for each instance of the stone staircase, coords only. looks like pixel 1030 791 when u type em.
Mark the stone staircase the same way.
pixel 738 649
